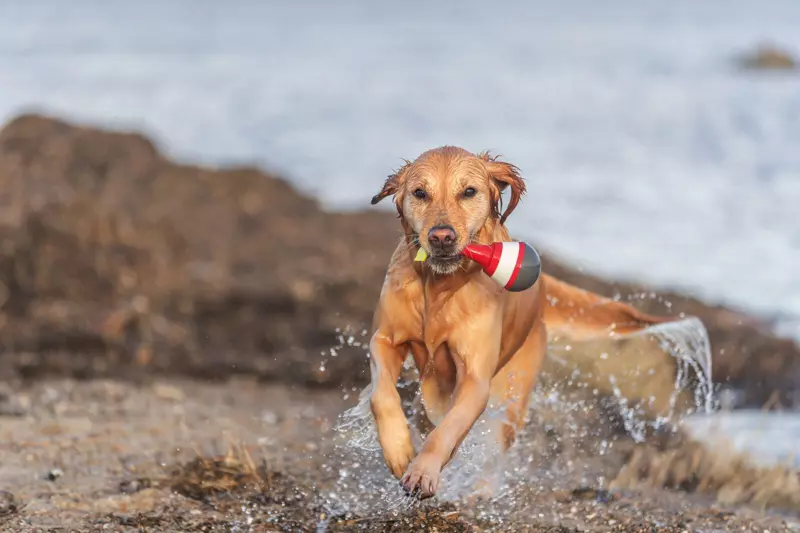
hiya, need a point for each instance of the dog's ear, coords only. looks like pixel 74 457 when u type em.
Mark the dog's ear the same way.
pixel 503 176
pixel 394 182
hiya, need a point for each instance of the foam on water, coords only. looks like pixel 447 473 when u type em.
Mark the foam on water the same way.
pixel 548 453
pixel 768 439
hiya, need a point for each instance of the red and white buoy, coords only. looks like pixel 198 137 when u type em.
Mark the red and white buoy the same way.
pixel 515 266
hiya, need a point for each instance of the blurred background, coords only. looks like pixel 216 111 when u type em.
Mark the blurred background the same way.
pixel 651 153
pixel 184 184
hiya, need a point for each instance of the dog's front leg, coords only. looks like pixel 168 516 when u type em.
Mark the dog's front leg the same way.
pixel 470 398
pixel 386 363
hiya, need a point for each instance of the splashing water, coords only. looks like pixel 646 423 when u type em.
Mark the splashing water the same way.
pixel 682 345
pixel 550 451
pixel 687 341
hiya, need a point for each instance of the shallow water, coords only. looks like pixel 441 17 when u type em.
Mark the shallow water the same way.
pixel 551 453
pixel 649 157
pixel 769 439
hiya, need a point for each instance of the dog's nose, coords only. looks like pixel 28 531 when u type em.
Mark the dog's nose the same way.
pixel 442 237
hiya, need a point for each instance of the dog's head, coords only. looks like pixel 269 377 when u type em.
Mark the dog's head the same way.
pixel 447 196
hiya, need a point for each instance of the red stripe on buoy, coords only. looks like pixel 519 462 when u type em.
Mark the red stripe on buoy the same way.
pixel 520 257
pixel 494 260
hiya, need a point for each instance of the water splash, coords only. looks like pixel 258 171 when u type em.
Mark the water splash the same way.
pixel 686 342
pixel 559 446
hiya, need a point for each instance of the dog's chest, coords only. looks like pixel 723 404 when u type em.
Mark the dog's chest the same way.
pixel 438 320
pixel 425 315
pixel 427 327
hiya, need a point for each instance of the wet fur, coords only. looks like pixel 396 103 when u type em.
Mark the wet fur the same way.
pixel 471 340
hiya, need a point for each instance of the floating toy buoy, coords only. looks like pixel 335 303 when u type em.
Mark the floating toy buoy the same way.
pixel 515 266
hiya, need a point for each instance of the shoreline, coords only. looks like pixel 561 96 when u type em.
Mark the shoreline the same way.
pixel 119 261
pixel 123 275
pixel 271 462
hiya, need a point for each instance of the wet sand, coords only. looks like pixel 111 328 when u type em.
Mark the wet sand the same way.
pixel 183 455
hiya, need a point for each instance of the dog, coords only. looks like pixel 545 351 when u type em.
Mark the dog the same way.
pixel 471 340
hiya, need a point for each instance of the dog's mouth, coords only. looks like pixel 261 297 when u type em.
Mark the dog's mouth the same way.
pixel 446 258
pixel 445 264
pixel 442 262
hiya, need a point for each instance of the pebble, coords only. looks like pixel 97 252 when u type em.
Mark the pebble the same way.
pixel 130 486
pixel 8 504
pixel 168 392
pixel 269 417
pixel 10 403
pixel 54 474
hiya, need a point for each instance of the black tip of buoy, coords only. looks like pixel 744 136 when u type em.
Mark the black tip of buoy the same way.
pixel 529 270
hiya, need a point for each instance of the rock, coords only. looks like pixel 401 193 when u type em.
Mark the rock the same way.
pixel 54 474
pixel 130 486
pixel 115 261
pixel 8 504
pixel 584 493
pixel 589 493
pixel 168 392
pixel 10 403
pixel 768 57
pixel 269 417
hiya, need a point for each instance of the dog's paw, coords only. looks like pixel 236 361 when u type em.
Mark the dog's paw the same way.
pixel 422 477
pixel 398 456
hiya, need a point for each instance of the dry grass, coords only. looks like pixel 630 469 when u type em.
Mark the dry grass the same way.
pixel 729 476
pixel 234 473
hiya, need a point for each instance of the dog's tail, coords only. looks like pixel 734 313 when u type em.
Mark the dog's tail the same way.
pixel 581 314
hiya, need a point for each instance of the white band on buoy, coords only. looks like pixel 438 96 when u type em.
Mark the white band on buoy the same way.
pixel 507 266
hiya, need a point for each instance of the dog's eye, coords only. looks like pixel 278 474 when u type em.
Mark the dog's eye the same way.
pixel 470 192
pixel 419 193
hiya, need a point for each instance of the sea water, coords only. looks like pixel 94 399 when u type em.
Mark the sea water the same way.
pixel 768 438
pixel 649 156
